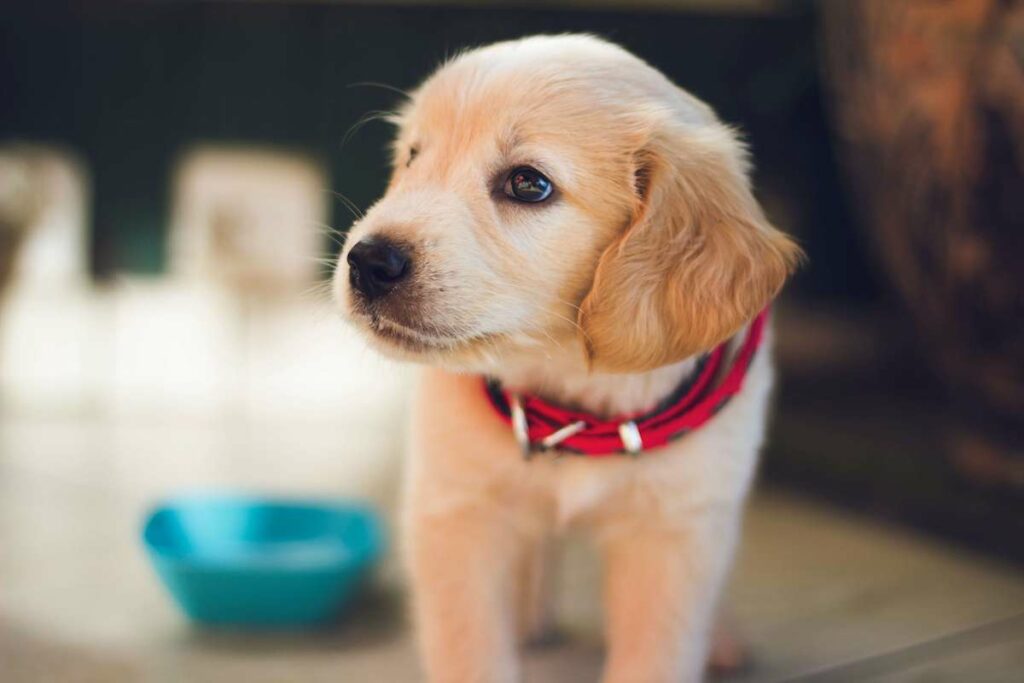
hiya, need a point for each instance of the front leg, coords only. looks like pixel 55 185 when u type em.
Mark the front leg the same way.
pixel 464 573
pixel 536 593
pixel 661 588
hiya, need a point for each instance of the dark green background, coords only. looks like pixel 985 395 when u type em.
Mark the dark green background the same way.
pixel 130 86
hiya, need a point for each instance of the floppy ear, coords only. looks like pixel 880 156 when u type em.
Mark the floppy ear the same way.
pixel 697 262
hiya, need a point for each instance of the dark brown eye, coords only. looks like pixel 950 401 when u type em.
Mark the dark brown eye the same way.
pixel 528 185
pixel 413 151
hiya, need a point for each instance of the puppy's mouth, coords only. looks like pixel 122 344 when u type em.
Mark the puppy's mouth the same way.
pixel 415 339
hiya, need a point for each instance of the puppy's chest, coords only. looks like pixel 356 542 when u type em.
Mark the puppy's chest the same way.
pixel 464 453
pixel 710 467
pixel 662 483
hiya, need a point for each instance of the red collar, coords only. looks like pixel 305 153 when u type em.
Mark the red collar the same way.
pixel 539 425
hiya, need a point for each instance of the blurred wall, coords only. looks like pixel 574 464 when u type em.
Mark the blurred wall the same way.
pixel 130 86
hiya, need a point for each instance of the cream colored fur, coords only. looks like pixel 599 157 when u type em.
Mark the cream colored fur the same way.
pixel 652 250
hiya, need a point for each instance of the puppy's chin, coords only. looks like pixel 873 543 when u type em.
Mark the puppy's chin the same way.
pixel 405 342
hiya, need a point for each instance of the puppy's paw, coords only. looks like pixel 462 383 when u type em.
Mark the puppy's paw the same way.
pixel 729 654
pixel 544 638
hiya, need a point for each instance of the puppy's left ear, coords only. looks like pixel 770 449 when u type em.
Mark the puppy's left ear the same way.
pixel 697 262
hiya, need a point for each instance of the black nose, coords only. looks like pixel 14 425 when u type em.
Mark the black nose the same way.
pixel 376 266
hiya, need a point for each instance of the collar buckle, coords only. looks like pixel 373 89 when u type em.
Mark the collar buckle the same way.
pixel 520 428
pixel 631 439
pixel 629 433
pixel 569 430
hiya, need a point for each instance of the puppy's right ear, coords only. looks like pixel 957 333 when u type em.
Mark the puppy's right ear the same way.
pixel 697 262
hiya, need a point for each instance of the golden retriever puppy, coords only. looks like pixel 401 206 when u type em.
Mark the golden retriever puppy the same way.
pixel 569 242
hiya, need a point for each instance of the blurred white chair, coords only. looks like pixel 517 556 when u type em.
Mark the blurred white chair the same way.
pixel 44 197
pixel 234 326
pixel 231 331
pixel 50 330
pixel 249 219
pixel 244 236
pixel 171 351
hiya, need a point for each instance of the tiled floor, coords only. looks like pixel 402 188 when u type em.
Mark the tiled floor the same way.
pixel 814 589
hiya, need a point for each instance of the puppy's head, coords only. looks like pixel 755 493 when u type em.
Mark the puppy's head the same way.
pixel 558 190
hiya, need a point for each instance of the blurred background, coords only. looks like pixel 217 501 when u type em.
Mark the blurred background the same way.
pixel 175 178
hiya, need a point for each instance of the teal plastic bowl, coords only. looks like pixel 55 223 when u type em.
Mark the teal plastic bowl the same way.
pixel 245 561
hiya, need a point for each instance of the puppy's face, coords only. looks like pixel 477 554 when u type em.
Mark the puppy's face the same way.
pixel 537 200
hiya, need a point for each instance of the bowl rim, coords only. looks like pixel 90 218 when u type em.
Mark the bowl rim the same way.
pixel 363 555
